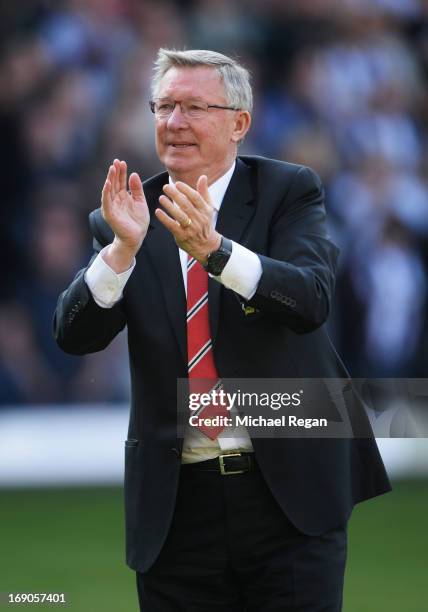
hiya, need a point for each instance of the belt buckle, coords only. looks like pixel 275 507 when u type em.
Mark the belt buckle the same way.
pixel 222 466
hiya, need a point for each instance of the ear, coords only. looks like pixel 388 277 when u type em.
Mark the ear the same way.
pixel 242 125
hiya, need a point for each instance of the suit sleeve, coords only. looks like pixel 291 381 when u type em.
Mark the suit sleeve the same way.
pixel 82 326
pixel 298 273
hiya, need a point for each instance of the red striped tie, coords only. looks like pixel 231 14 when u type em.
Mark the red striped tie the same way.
pixel 203 376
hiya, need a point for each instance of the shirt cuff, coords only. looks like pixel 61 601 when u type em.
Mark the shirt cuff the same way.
pixel 105 285
pixel 242 272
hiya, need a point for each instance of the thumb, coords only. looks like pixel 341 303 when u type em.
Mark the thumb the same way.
pixel 202 188
pixel 135 186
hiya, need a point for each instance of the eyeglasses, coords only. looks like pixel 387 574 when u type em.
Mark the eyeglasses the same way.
pixel 192 109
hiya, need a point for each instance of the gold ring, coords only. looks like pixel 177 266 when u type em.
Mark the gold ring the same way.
pixel 187 223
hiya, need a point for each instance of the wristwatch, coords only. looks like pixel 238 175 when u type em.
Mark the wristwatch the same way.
pixel 217 260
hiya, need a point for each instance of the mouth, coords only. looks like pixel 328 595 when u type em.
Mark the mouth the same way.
pixel 181 145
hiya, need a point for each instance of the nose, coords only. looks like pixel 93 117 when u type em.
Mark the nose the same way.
pixel 177 119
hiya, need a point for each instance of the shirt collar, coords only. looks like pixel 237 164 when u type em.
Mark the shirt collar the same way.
pixel 218 188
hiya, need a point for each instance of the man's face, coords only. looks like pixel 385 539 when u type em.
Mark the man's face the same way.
pixel 188 147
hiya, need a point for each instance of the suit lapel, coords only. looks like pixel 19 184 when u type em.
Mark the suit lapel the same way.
pixel 236 211
pixel 163 252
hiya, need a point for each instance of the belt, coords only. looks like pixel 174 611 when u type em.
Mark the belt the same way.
pixel 226 465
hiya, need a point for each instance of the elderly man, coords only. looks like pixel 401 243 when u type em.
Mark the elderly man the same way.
pixel 220 267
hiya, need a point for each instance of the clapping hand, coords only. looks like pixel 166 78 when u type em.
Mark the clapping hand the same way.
pixel 127 214
pixel 188 215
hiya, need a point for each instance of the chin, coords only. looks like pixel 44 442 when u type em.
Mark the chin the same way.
pixel 178 166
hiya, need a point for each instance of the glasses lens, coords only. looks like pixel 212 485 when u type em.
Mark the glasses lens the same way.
pixel 194 108
pixel 163 107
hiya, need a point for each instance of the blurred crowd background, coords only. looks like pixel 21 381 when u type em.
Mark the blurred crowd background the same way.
pixel 341 86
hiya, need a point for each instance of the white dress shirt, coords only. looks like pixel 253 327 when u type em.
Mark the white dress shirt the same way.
pixel 241 274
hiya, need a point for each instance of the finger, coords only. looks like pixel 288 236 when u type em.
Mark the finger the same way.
pixel 122 174
pixel 178 198
pixel 136 186
pixel 116 164
pixel 202 188
pixel 169 223
pixel 106 198
pixel 110 174
pixel 105 193
pixel 173 211
pixel 111 178
pixel 194 196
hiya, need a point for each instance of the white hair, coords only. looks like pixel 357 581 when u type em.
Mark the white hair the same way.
pixel 236 78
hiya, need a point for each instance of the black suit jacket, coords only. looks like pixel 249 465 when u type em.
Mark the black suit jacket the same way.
pixel 276 210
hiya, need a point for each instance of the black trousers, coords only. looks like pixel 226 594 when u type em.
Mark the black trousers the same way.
pixel 231 549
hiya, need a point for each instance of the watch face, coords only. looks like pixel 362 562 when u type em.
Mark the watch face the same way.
pixel 217 261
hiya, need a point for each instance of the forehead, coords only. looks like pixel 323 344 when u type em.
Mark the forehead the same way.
pixel 181 82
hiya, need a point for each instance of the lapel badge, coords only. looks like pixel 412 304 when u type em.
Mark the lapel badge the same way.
pixel 249 310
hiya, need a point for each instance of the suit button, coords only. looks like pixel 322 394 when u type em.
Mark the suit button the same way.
pixel 176 452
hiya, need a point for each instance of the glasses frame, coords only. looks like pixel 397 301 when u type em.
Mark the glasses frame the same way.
pixel 180 102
